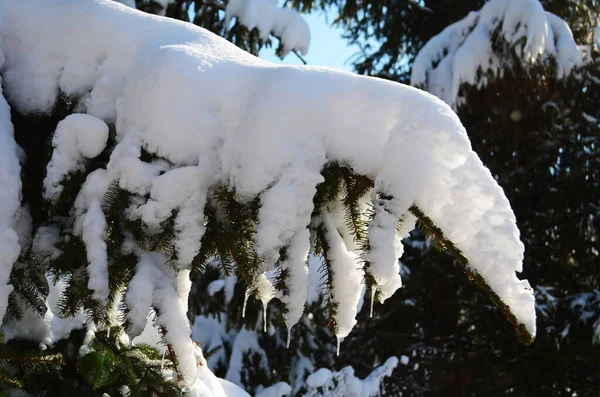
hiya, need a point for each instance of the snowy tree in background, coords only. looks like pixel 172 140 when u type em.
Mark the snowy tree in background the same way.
pixel 139 151
pixel 247 23
pixel 502 35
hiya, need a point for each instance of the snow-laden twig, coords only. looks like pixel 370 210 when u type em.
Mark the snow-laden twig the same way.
pixel 192 113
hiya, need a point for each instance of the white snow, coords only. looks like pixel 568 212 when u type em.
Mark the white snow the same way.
pixel 129 3
pixel 172 317
pixel 218 115
pixel 48 329
pixel 319 378
pixel 245 342
pixel 344 384
pixel 94 227
pixel 462 52
pixel 386 247
pixel 295 263
pixel 139 294
pixel 346 280
pixel 279 389
pixel 10 200
pixel 44 244
pixel 77 137
pixel 215 286
pixel 231 390
pixel 285 23
pixel 24 228
pixel 183 189
pixel 88 338
pixel 91 226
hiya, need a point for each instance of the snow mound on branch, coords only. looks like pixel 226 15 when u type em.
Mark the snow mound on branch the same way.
pixel 264 15
pixel 77 137
pixel 216 116
pixel 465 51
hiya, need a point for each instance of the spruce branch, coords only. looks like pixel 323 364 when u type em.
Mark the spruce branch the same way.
pixel 30 289
pixel 18 365
pixel 441 242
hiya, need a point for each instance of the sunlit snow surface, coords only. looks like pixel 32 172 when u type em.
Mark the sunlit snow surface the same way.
pixel 220 115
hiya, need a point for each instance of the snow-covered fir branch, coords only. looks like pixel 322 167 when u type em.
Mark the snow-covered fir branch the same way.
pixel 172 147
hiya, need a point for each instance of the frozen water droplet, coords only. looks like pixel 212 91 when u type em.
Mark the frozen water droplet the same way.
pixel 339 341
pixel 373 291
pixel 265 304
pixel 245 303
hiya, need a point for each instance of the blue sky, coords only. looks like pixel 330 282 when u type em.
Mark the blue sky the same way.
pixel 327 48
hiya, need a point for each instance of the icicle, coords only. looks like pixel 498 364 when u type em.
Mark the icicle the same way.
pixel 108 333
pixel 162 360
pixel 339 340
pixel 373 291
pixel 289 336
pixel 265 304
pixel 245 303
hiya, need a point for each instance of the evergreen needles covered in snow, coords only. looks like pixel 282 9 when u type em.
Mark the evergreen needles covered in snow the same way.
pixel 184 148
pixel 482 43
pixel 264 15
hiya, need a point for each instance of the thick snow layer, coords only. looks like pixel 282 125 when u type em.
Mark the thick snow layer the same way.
pixel 462 52
pixel 217 115
pixel 10 200
pixel 285 23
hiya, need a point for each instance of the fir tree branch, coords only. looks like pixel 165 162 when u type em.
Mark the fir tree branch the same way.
pixel 442 243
